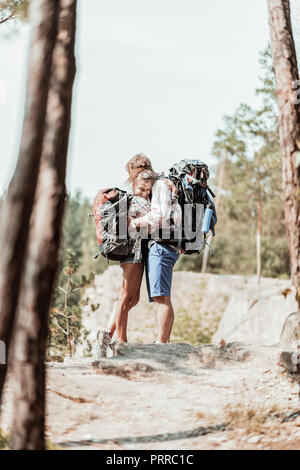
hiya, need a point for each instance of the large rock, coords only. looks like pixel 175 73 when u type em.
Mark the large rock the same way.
pixel 256 314
pixel 233 307
pixel 289 358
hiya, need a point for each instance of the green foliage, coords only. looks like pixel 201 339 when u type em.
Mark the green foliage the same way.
pixel 66 318
pixel 79 235
pixel 3 441
pixel 79 246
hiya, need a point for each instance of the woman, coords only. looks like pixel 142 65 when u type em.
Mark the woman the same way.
pixel 141 178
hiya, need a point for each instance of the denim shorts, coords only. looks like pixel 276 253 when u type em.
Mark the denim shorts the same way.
pixel 159 273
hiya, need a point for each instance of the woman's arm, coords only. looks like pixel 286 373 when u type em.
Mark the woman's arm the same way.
pixel 160 212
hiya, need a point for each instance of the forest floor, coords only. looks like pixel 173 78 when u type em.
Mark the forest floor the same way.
pixel 173 396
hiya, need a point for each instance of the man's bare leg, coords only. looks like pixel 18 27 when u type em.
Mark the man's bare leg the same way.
pixel 165 318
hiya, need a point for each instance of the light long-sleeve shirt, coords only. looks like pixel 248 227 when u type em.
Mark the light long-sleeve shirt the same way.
pixel 164 208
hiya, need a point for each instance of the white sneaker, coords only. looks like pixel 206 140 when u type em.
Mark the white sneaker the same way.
pixel 103 340
pixel 113 345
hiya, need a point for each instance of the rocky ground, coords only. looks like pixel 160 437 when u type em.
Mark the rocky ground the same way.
pixel 172 397
pixel 183 395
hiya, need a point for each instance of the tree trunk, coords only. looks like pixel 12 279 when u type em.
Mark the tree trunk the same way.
pixel 45 234
pixel 258 240
pixel 286 74
pixel 16 211
pixel 217 204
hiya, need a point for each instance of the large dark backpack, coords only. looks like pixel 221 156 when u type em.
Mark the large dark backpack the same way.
pixel 192 191
pixel 111 209
pixel 110 212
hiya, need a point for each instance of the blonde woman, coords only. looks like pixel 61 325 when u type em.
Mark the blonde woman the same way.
pixel 141 178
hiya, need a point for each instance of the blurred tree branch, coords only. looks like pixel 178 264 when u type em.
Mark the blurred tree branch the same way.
pixel 13 10
pixel 7 18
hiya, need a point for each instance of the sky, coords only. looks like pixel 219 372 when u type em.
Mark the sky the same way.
pixel 152 76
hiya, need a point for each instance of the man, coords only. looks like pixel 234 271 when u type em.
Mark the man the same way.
pixel 165 213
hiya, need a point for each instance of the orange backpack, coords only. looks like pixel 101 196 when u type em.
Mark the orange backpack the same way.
pixel 110 213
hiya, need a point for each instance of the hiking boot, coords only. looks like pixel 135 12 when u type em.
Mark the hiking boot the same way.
pixel 103 340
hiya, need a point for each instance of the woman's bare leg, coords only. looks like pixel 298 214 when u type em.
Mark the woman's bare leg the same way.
pixel 130 292
pixel 112 324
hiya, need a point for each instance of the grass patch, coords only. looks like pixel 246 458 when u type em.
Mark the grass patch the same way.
pixel 200 415
pixel 250 419
pixel 51 446
pixel 3 441
pixel 194 323
pixel 191 329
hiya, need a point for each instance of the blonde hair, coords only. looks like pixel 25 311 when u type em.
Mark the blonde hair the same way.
pixel 144 175
pixel 138 162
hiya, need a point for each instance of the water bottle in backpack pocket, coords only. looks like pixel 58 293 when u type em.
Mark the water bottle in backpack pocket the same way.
pixel 207 219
